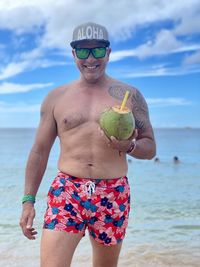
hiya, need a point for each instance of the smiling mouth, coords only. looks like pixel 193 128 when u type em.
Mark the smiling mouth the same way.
pixel 91 67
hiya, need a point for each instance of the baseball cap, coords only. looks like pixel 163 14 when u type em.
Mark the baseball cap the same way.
pixel 90 32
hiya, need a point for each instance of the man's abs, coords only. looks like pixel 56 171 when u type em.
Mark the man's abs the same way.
pixel 91 159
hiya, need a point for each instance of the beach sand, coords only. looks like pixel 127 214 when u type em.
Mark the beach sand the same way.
pixel 26 253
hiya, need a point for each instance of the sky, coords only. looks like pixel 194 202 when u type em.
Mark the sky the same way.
pixel 155 48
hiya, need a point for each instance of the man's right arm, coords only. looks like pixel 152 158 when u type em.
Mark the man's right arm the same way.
pixel 37 162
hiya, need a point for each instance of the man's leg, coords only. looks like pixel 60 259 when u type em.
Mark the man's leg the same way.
pixel 57 248
pixel 105 256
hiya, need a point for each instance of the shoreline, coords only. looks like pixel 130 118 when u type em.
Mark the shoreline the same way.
pixel 144 255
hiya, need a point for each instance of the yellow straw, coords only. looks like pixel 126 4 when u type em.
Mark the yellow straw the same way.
pixel 124 101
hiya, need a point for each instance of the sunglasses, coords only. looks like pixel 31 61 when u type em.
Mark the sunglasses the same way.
pixel 97 52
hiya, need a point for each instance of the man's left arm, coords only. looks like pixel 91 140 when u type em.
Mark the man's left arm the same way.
pixel 145 146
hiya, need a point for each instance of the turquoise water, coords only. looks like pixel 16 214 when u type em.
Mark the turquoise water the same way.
pixel 164 225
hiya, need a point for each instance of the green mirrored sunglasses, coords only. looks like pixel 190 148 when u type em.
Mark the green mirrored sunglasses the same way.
pixel 97 52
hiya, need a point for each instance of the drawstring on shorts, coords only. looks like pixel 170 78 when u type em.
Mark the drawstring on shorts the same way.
pixel 89 187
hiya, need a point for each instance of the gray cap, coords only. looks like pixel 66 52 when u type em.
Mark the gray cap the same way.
pixel 90 31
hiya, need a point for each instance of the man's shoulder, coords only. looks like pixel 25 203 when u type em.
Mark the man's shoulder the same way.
pixel 121 83
pixel 122 86
pixel 54 95
pixel 58 91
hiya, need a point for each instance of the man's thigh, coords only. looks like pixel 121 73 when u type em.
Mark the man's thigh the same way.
pixel 57 248
pixel 105 256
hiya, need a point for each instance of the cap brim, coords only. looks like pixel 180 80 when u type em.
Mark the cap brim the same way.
pixel 75 43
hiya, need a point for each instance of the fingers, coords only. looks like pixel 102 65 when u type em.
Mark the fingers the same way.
pixel 114 140
pixel 134 134
pixel 120 145
pixel 26 223
pixel 104 136
pixel 29 233
pixel 29 223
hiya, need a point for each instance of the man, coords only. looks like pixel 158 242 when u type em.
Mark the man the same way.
pixel 91 189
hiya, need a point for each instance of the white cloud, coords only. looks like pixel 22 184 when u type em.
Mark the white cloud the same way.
pixel 192 59
pixel 21 18
pixel 10 88
pixel 18 108
pixel 164 44
pixel 119 55
pixel 189 25
pixel 170 101
pixel 129 72
pixel 15 68
pixel 189 19
pixel 58 18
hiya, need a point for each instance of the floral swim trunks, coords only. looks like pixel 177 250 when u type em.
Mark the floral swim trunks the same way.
pixel 101 205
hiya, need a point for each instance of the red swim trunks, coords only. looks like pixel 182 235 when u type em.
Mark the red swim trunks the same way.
pixel 101 205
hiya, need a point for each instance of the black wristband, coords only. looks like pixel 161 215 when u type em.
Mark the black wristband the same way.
pixel 132 146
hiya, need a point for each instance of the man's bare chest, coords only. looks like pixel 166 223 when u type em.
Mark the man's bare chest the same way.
pixel 75 110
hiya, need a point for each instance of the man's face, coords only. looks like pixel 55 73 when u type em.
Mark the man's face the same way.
pixel 91 68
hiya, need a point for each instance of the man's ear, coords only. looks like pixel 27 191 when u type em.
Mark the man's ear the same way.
pixel 109 51
pixel 73 53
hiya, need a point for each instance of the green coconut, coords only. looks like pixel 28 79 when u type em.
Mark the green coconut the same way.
pixel 118 123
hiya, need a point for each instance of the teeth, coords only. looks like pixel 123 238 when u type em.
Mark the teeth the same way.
pixel 91 67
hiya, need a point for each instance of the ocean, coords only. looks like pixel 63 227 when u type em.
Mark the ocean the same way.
pixel 164 224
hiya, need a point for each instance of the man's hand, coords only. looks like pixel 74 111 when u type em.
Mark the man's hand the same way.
pixel 120 145
pixel 26 221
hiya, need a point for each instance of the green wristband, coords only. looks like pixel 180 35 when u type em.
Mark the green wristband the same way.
pixel 28 198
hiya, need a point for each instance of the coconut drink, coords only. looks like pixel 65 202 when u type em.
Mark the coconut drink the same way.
pixel 118 121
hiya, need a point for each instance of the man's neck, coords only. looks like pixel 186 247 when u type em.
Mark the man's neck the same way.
pixel 94 83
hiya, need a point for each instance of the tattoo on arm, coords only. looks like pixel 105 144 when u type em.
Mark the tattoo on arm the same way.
pixel 118 91
pixel 140 111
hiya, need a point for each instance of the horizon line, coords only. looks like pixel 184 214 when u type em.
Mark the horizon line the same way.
pixel 157 128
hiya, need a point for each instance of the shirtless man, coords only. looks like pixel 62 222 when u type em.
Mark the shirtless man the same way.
pixel 91 190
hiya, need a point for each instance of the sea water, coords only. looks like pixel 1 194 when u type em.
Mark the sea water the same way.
pixel 164 224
